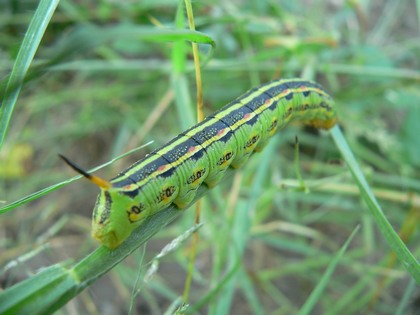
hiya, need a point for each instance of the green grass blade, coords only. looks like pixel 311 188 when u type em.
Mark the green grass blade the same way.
pixel 207 299
pixel 53 287
pixel 249 291
pixel 316 294
pixel 51 188
pixel 61 284
pixel 179 80
pixel 85 38
pixel 394 241
pixel 240 234
pixel 88 37
pixel 36 294
pixel 28 48
pixel 405 301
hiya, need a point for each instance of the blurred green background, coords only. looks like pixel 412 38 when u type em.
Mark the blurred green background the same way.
pixel 117 83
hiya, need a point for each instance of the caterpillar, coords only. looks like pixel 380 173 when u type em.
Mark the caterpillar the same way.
pixel 202 154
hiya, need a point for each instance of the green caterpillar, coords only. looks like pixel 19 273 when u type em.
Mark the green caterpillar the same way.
pixel 201 155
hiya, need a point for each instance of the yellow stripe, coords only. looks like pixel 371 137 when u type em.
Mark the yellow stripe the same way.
pixel 234 127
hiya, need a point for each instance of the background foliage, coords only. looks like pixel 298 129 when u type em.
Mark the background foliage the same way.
pixel 118 81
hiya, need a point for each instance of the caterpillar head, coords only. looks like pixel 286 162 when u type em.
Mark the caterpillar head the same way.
pixel 111 222
pixel 119 210
pixel 116 213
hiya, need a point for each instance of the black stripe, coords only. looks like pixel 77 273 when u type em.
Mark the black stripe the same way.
pixel 107 211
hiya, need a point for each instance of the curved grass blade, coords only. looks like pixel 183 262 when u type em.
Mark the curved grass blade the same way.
pixel 84 38
pixel 54 286
pixel 51 188
pixel 394 241
pixel 316 294
pixel 27 50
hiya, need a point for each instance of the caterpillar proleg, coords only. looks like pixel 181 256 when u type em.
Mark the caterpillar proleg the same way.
pixel 202 154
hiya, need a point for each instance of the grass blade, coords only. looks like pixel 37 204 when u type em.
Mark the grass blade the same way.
pixel 51 188
pixel 54 286
pixel 394 241
pixel 61 284
pixel 23 61
pixel 317 292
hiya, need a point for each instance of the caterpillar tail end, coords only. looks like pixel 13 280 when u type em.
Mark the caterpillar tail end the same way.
pixel 323 124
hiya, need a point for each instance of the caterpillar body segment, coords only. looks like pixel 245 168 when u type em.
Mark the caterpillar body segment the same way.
pixel 202 154
pixel 218 143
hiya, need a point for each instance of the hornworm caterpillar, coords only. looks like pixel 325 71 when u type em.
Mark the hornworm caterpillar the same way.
pixel 201 155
